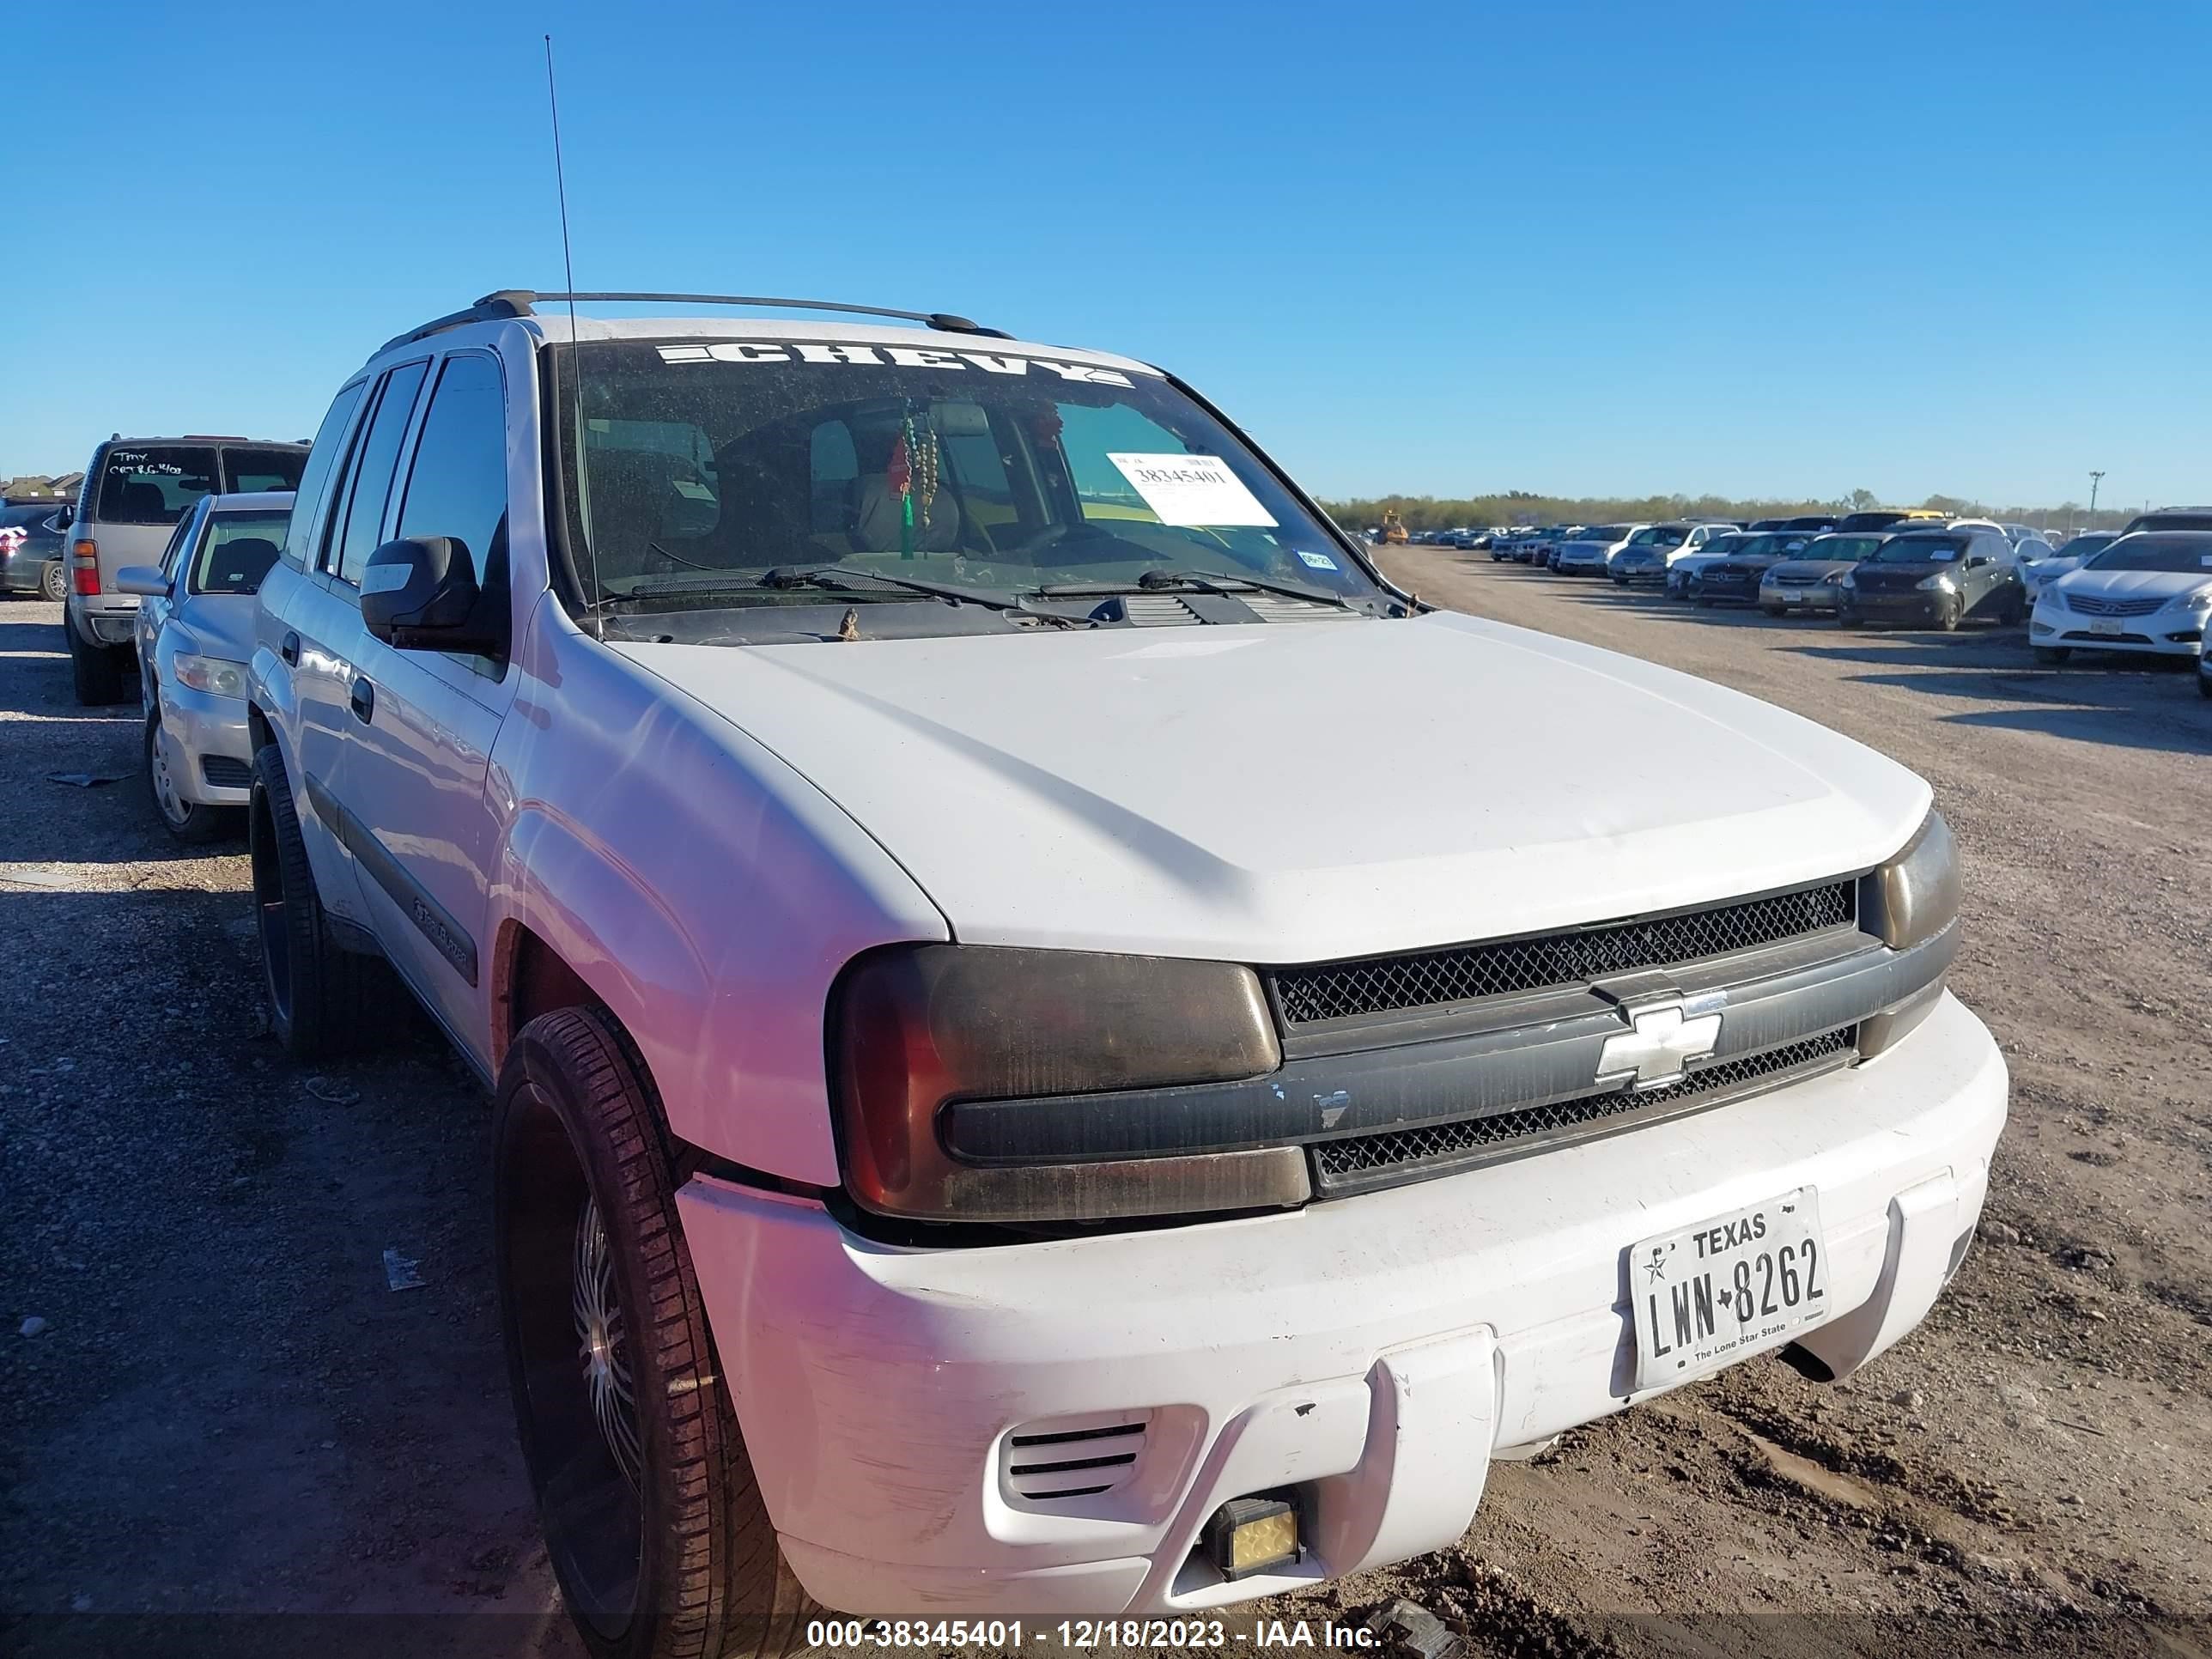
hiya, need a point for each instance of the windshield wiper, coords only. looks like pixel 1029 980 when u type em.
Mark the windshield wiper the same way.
pixel 837 578
pixel 1206 581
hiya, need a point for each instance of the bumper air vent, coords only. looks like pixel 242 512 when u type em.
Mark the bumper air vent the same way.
pixel 1064 1458
pixel 223 772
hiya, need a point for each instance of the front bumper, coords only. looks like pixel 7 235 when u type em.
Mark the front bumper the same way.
pixel 1629 574
pixel 1912 607
pixel 210 748
pixel 1801 596
pixel 1374 1352
pixel 1705 589
pixel 2144 636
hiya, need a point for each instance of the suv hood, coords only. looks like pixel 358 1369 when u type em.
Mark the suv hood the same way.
pixel 1272 793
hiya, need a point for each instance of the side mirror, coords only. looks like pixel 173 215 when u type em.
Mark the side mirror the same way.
pixel 421 594
pixel 1975 562
pixel 145 580
pixel 65 518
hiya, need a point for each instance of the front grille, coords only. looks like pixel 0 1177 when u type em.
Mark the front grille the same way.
pixel 1403 1154
pixel 1376 985
pixel 2084 634
pixel 222 772
pixel 2090 605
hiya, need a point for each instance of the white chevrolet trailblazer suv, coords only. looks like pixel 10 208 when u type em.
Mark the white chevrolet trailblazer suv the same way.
pixel 1017 1093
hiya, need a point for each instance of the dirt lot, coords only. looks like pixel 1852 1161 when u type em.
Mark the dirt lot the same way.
pixel 225 1407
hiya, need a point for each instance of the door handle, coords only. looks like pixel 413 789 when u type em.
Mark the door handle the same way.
pixel 290 650
pixel 364 701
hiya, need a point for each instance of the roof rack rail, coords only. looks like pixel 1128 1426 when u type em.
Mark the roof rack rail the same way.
pixel 520 302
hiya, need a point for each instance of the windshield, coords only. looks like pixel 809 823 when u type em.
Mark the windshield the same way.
pixel 705 463
pixel 2082 546
pixel 1853 548
pixel 1878 519
pixel 1721 546
pixel 2156 551
pixel 1920 550
pixel 1660 534
pixel 1607 533
pixel 1781 544
pixel 237 551
pixel 251 470
pixel 154 483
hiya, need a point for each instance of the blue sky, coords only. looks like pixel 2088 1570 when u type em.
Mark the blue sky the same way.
pixel 1760 249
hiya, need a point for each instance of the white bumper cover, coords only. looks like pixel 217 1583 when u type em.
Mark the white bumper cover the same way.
pixel 1376 1352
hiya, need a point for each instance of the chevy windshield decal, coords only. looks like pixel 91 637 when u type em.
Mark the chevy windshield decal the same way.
pixel 808 351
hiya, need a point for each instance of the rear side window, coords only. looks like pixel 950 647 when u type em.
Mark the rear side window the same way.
pixel 315 476
pixel 378 458
pixel 459 486
pixel 252 469
pixel 154 483
pixel 236 552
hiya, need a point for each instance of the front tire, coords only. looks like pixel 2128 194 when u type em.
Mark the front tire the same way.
pixel 652 1517
pixel 320 998
pixel 191 822
pixel 1949 617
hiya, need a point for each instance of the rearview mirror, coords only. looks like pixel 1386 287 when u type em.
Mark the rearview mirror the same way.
pixel 143 580
pixel 421 594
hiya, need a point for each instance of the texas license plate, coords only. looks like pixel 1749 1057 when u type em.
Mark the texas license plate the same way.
pixel 2106 625
pixel 1717 1290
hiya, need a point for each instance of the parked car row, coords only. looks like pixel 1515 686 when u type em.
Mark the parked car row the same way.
pixel 762 760
pixel 2145 590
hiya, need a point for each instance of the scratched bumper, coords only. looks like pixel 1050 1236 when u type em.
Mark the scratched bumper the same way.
pixel 1374 1351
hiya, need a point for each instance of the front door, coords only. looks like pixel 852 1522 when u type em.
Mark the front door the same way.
pixel 422 832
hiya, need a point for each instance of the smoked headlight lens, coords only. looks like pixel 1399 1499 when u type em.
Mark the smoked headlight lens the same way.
pixel 914 1028
pixel 1915 895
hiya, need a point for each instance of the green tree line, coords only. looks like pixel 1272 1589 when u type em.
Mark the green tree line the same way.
pixel 1515 507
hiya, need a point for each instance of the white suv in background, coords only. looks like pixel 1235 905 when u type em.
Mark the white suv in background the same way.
pixel 961 1146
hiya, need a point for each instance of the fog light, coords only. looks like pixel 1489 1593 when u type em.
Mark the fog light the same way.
pixel 1252 1534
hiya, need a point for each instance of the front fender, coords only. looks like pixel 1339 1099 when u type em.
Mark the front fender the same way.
pixel 702 890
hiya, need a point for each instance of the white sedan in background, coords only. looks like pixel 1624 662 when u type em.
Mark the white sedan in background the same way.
pixel 1592 551
pixel 194 633
pixel 2149 593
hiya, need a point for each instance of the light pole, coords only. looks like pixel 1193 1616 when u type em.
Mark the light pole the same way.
pixel 2095 478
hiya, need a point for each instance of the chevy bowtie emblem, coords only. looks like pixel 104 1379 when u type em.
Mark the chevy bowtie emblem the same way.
pixel 1665 1037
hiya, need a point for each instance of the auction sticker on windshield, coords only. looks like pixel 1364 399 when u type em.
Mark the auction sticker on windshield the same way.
pixel 1192 491
pixel 1709 1292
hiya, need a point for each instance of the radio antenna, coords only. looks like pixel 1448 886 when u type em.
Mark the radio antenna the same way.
pixel 575 383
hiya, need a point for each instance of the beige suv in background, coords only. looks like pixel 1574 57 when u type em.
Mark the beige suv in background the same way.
pixel 135 491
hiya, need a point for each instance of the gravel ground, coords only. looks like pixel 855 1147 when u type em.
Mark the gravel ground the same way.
pixel 220 1404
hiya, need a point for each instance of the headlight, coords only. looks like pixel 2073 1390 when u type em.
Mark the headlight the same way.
pixel 2200 601
pixel 215 674
pixel 1847 579
pixel 1938 583
pixel 914 1029
pixel 1911 899
pixel 1915 895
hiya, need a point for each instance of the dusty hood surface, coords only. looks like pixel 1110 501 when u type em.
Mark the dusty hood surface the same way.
pixel 2133 584
pixel 1274 794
